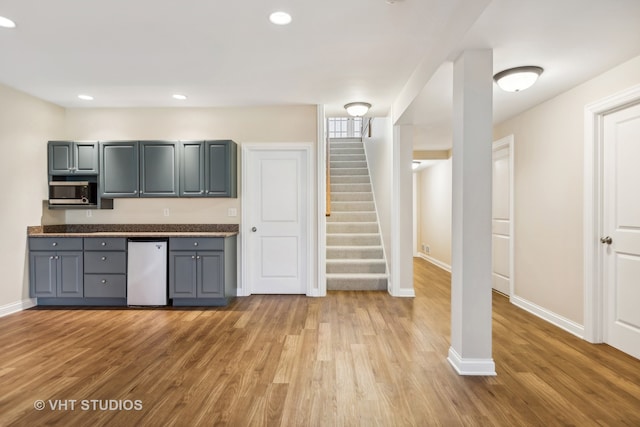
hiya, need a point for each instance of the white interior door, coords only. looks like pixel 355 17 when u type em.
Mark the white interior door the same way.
pixel 276 221
pixel 621 230
pixel 501 216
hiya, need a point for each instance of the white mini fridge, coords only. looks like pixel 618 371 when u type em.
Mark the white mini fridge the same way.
pixel 147 272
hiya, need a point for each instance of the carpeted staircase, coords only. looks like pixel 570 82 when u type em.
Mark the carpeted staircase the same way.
pixel 355 259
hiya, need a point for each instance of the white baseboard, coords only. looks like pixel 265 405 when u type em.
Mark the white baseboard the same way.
pixel 17 306
pixel 403 293
pixel 551 317
pixel 442 265
pixel 478 367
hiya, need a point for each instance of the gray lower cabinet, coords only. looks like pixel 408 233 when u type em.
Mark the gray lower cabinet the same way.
pixel 119 169
pixel 72 158
pixel 105 267
pixel 202 270
pixel 56 268
pixel 208 168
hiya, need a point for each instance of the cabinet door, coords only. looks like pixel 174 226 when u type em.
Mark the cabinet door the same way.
pixel 192 164
pixel 119 169
pixel 211 274
pixel 221 157
pixel 60 157
pixel 70 275
pixel 86 158
pixel 158 169
pixel 42 274
pixel 182 274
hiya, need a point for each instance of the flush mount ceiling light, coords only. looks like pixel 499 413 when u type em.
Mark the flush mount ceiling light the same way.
pixel 85 97
pixel 357 109
pixel 179 96
pixel 6 22
pixel 280 18
pixel 517 79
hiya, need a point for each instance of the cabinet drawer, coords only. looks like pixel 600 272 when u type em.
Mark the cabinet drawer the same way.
pixel 196 243
pixel 105 286
pixel 105 244
pixel 105 262
pixel 55 243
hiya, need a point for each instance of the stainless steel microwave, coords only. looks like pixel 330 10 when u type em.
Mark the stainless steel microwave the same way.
pixel 72 193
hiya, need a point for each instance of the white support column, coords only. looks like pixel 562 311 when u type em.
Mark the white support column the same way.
pixel 470 352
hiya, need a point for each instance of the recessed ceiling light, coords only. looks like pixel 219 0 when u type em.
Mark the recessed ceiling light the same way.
pixel 6 22
pixel 85 97
pixel 179 96
pixel 280 18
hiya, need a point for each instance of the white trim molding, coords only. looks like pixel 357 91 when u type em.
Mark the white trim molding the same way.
pixel 437 263
pixel 469 366
pixel 17 306
pixel 321 289
pixel 548 315
pixel 592 215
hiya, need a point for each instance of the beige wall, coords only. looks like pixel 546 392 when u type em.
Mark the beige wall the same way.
pixel 255 124
pixel 26 123
pixel 548 171
pixel 549 192
pixel 434 207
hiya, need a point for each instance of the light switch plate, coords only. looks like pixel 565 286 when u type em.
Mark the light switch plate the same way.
pixel 232 212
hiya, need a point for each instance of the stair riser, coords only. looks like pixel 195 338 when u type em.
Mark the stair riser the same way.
pixel 349 172
pixel 340 284
pixel 339 227
pixel 352 197
pixel 346 151
pixel 351 145
pixel 347 165
pixel 339 157
pixel 353 207
pixel 353 240
pixel 338 217
pixel 350 188
pixel 356 268
pixel 350 179
pixel 354 253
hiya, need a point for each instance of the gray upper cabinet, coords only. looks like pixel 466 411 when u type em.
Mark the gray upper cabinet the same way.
pixel 192 166
pixel 73 158
pixel 221 165
pixel 208 169
pixel 158 169
pixel 119 168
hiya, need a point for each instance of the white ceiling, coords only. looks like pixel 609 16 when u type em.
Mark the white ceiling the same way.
pixel 138 53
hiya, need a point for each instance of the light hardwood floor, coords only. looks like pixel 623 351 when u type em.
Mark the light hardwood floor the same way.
pixel 350 359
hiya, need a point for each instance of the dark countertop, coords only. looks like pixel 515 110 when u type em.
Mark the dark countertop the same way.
pixel 133 230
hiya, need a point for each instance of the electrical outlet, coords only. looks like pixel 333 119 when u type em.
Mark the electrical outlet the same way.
pixel 232 212
pixel 427 249
pixel 424 247
pixel 89 213
pixel 165 211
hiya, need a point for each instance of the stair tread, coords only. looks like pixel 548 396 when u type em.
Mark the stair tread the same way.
pixel 356 275
pixel 355 261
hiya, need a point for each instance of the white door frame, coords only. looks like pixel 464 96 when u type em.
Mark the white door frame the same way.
pixel 593 216
pixel 507 141
pixel 244 289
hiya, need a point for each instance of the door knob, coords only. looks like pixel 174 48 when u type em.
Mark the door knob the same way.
pixel 254 229
pixel 608 240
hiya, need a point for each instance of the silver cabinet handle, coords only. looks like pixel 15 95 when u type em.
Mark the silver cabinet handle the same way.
pixel 104 243
pixel 54 244
pixel 606 240
pixel 193 257
pixel 195 243
pixel 104 258
pixel 254 229
pixel 198 257
pixel 52 257
pixel 103 281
